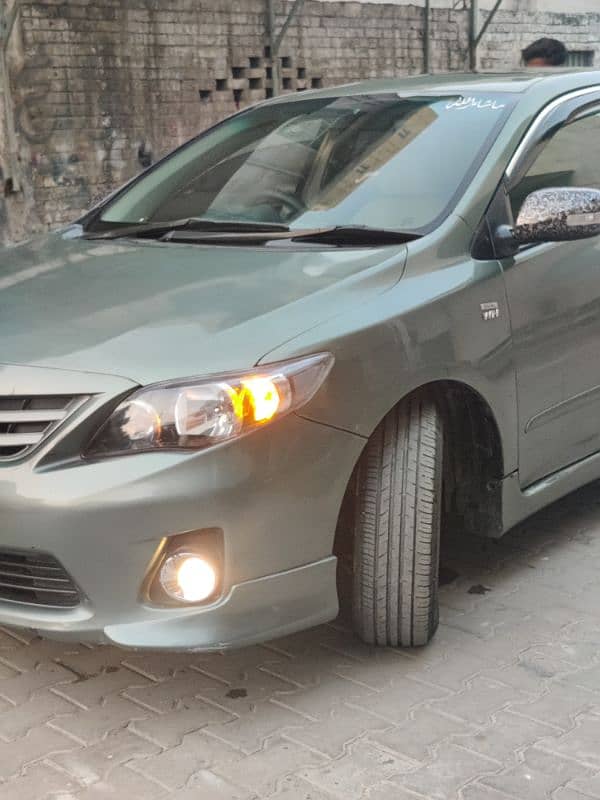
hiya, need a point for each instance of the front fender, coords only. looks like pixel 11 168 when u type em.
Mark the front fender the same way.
pixel 429 327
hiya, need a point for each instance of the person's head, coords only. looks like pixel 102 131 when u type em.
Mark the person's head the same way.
pixel 545 53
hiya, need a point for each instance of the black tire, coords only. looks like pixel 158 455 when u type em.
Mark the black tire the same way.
pixel 397 528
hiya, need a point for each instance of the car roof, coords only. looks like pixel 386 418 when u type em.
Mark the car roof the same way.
pixel 545 83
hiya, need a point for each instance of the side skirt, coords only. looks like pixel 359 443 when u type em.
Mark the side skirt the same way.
pixel 519 503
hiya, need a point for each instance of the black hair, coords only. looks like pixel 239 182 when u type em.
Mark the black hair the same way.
pixel 551 50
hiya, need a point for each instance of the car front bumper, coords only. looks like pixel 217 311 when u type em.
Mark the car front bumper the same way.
pixel 275 494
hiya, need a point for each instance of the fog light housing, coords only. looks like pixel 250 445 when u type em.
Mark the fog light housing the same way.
pixel 188 578
pixel 186 569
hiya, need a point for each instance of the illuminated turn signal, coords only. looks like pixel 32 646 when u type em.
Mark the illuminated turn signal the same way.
pixel 263 396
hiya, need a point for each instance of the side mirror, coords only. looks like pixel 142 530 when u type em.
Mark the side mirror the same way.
pixel 558 215
pixel 551 215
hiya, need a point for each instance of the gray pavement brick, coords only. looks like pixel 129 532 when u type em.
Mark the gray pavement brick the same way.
pixel 454 671
pixel 307 644
pixel 477 791
pixel 578 652
pixel 304 672
pixel 90 726
pixel 537 777
pixel 204 784
pixel 384 669
pixel 234 666
pixel 582 744
pixel 16 721
pixel 332 734
pixel 569 793
pixel 589 786
pixel 175 766
pixel 25 657
pixel 249 731
pixel 9 639
pixel 416 736
pixel 395 704
pixel 167 695
pixel 452 767
pixel 493 621
pixel 478 701
pixel 316 702
pixel 295 788
pixel 90 764
pixel 361 768
pixel 157 666
pixel 242 696
pixel 39 743
pixel 386 790
pixel 197 794
pixel 571 650
pixel 122 784
pixel 6 671
pixel 39 782
pixel 92 691
pixel 587 678
pixel 86 661
pixel 582 631
pixel 533 670
pixel 18 636
pixel 558 601
pixel 20 688
pixel 505 736
pixel 168 729
pixel 557 707
pixel 260 771
pixel 552 571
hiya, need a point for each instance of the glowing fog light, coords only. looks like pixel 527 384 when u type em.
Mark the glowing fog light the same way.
pixel 188 578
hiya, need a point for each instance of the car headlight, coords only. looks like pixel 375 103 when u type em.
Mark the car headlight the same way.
pixel 198 413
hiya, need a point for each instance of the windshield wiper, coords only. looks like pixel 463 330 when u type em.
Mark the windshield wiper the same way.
pixel 358 235
pixel 156 229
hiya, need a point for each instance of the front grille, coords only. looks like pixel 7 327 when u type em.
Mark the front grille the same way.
pixel 36 579
pixel 26 420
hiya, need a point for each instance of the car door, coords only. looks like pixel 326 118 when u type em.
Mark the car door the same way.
pixel 553 293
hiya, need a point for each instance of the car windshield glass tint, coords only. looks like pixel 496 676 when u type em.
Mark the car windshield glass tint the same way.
pixel 378 160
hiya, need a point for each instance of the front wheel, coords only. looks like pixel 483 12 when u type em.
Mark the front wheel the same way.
pixel 397 528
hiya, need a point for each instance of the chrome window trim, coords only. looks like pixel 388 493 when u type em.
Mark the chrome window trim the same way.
pixel 539 120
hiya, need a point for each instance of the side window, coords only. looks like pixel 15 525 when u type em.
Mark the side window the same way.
pixel 571 158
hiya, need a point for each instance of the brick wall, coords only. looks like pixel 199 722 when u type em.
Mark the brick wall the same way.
pixel 98 86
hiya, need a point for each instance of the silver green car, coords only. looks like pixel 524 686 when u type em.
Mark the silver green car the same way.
pixel 327 330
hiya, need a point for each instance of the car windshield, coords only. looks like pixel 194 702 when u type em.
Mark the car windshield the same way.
pixel 377 160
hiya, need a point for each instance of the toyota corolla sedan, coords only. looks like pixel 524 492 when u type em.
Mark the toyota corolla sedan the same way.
pixel 347 320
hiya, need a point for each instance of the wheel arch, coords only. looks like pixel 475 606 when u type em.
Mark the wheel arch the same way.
pixel 473 464
pixel 473 459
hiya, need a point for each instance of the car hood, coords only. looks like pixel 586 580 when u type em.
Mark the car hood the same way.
pixel 153 311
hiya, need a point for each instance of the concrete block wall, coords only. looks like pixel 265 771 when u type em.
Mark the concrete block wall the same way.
pixel 511 31
pixel 101 86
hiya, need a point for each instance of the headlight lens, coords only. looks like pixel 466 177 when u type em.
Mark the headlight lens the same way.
pixel 195 414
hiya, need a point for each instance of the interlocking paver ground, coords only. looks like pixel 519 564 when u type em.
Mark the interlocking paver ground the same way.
pixel 504 703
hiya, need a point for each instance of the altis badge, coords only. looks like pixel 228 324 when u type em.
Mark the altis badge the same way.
pixel 490 311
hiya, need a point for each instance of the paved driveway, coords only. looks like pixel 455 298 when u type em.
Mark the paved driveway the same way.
pixel 505 703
